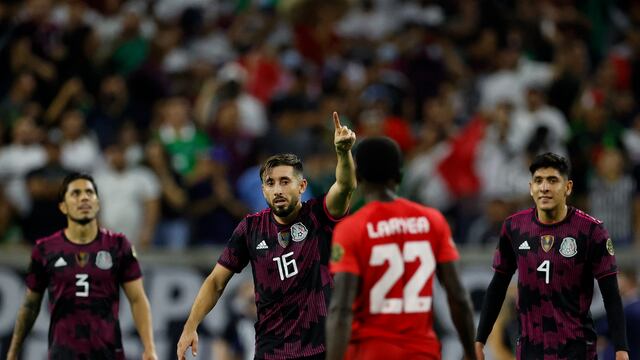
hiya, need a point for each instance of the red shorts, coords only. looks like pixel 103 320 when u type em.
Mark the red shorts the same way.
pixel 375 349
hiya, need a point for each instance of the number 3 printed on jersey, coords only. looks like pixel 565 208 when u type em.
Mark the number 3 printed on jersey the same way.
pixel 82 285
pixel 411 301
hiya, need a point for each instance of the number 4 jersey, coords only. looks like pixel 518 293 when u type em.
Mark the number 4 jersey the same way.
pixel 556 266
pixel 83 283
pixel 394 248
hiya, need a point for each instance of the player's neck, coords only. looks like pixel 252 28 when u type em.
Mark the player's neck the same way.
pixel 375 192
pixel 289 218
pixel 81 234
pixel 553 215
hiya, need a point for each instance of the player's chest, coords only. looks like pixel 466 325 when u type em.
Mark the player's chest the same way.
pixel 80 269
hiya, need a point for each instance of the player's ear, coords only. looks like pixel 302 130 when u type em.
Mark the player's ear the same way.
pixel 63 208
pixel 569 187
pixel 303 185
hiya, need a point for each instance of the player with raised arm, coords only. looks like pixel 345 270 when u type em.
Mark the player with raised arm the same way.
pixel 82 267
pixel 557 250
pixel 288 245
pixel 384 258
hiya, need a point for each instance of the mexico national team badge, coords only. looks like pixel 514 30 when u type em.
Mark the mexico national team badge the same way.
pixel 298 232
pixel 610 247
pixel 568 247
pixel 547 242
pixel 82 258
pixel 103 260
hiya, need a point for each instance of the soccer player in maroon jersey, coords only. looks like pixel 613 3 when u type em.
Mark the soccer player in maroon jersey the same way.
pixel 82 267
pixel 288 245
pixel 557 250
pixel 384 258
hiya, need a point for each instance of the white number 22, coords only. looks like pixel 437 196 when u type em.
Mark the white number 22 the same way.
pixel 411 301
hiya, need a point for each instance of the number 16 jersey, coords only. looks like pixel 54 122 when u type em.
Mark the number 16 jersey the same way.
pixel 394 248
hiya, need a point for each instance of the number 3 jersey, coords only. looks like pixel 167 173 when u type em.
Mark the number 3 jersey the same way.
pixel 394 248
pixel 83 283
pixel 290 265
pixel 556 265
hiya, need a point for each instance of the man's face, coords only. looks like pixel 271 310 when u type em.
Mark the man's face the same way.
pixel 81 202
pixel 549 189
pixel 282 188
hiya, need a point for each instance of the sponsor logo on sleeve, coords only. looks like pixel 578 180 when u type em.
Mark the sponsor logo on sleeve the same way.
pixel 568 247
pixel 337 252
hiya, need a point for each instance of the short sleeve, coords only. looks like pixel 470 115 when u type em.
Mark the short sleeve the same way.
pixel 235 255
pixel 601 254
pixel 504 259
pixel 37 277
pixel 444 250
pixel 129 267
pixel 343 251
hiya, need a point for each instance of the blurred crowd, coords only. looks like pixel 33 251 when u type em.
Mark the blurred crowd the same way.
pixel 173 104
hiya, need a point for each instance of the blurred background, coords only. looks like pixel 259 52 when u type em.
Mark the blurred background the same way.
pixel 172 105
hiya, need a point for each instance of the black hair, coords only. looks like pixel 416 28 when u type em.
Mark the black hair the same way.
pixel 551 160
pixel 281 159
pixel 71 178
pixel 379 160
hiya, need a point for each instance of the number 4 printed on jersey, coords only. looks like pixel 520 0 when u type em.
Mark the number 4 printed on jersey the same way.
pixel 411 301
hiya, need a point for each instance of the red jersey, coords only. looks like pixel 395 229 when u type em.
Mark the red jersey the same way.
pixel 394 248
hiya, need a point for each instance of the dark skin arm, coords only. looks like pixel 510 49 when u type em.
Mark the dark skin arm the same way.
pixel 338 329
pixel 459 306
pixel 26 318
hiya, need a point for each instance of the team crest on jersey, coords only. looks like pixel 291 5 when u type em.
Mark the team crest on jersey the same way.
pixel 103 260
pixel 337 252
pixel 82 258
pixel 568 247
pixel 547 242
pixel 298 232
pixel 610 247
pixel 284 237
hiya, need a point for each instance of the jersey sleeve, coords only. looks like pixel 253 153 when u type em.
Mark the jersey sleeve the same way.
pixel 37 277
pixel 445 249
pixel 601 256
pixel 235 255
pixel 129 267
pixel 504 259
pixel 343 251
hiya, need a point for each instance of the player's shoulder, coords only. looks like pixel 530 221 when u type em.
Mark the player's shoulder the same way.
pixel 581 215
pixel 52 239
pixel 113 236
pixel 522 214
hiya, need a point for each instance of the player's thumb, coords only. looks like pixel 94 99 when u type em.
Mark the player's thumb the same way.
pixel 194 347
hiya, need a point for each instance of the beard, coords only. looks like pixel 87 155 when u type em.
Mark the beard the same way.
pixel 82 221
pixel 283 211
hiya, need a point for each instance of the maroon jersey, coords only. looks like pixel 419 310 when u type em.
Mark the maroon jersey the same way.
pixel 556 266
pixel 83 284
pixel 291 276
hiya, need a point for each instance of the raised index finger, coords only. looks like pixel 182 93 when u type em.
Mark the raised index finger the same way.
pixel 336 120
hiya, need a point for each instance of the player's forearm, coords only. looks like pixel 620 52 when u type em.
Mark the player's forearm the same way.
pixel 338 332
pixel 463 321
pixel 346 171
pixel 492 304
pixel 141 312
pixel 206 299
pixel 26 318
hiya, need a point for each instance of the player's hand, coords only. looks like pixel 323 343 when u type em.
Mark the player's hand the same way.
pixel 479 350
pixel 187 339
pixel 149 355
pixel 622 355
pixel 343 138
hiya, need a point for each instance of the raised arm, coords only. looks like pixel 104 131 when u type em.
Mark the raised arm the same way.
pixel 26 318
pixel 338 329
pixel 459 306
pixel 339 195
pixel 207 297
pixel 141 312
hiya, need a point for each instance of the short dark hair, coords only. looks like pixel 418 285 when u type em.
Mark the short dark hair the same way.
pixel 551 160
pixel 378 160
pixel 279 160
pixel 71 178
